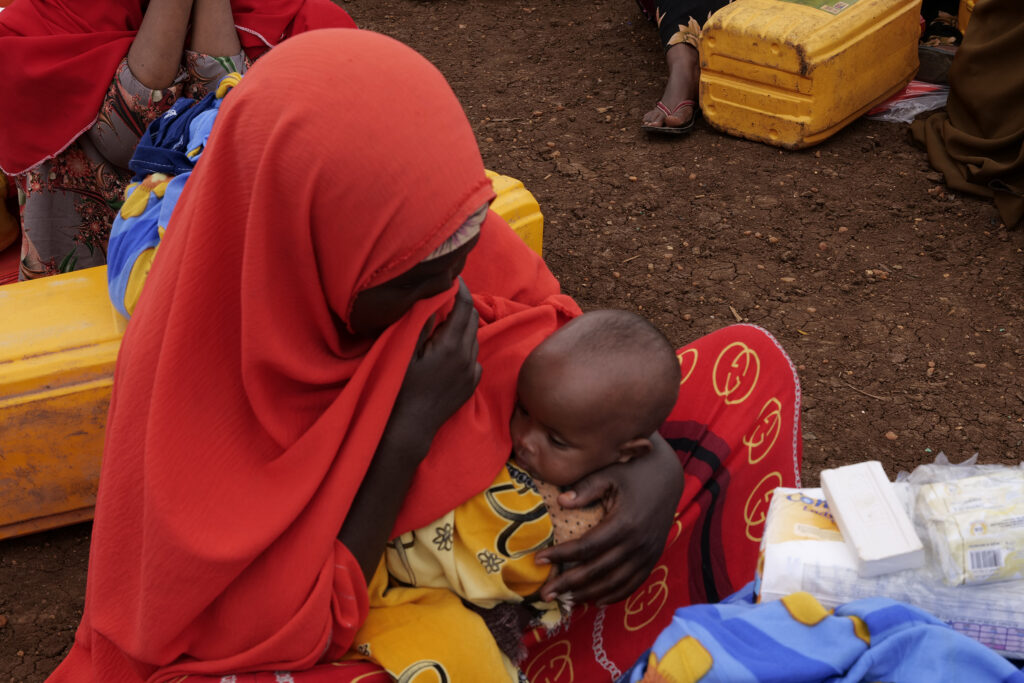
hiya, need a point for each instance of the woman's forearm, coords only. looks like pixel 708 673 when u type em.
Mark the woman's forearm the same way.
pixel 442 375
pixel 369 521
pixel 213 29
pixel 155 54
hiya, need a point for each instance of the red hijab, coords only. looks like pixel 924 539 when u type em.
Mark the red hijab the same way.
pixel 59 57
pixel 244 414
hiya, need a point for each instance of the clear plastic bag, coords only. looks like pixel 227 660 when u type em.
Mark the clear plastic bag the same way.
pixel 972 517
pixel 918 97
pixel 823 565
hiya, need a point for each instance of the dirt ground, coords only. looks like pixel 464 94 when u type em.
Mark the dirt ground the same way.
pixel 898 300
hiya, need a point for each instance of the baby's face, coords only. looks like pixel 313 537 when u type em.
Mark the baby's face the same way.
pixel 566 424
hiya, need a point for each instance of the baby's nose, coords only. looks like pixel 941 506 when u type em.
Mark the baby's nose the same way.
pixel 523 443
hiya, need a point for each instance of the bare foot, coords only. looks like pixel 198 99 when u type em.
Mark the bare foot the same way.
pixel 683 77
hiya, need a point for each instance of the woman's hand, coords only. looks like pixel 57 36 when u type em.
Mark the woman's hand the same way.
pixel 443 372
pixel 442 375
pixel 615 557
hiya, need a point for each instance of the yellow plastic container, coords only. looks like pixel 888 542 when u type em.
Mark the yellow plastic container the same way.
pixel 520 210
pixel 59 338
pixel 58 341
pixel 964 15
pixel 791 73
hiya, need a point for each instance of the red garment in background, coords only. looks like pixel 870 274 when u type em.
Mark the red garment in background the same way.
pixel 244 414
pixel 59 57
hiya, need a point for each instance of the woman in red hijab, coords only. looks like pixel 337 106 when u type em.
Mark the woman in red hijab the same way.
pixel 305 377
pixel 80 81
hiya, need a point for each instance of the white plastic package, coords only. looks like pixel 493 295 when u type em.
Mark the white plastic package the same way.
pixel 976 526
pixel 803 550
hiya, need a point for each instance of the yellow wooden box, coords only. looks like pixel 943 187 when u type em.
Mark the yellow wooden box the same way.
pixel 59 338
pixel 791 73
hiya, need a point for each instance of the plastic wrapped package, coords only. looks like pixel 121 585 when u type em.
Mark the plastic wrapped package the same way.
pixel 803 550
pixel 976 526
pixel 918 97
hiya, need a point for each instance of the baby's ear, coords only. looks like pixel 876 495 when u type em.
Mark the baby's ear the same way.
pixel 635 448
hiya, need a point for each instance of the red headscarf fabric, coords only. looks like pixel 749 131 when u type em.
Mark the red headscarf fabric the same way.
pixel 59 57
pixel 244 413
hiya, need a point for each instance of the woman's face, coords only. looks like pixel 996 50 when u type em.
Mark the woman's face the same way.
pixel 377 308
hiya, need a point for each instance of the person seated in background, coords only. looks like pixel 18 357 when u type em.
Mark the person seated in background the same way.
pixel 679 23
pixel 80 82
pixel 977 143
pixel 457 595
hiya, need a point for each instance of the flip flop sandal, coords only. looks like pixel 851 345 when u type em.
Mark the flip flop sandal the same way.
pixel 674 130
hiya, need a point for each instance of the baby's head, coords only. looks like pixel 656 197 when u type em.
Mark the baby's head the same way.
pixel 592 394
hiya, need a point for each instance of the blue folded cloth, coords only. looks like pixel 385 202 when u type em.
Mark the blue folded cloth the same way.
pixel 166 144
pixel 163 161
pixel 797 640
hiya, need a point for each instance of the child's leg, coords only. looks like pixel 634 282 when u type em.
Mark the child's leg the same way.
pixel 413 630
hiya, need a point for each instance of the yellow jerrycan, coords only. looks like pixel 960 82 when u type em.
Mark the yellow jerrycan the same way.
pixel 791 73
pixel 964 15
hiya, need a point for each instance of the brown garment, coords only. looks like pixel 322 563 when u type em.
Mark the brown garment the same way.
pixel 978 142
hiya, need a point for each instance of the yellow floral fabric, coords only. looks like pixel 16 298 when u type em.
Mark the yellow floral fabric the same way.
pixel 482 552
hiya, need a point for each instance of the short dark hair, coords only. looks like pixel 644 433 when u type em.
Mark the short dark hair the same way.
pixel 608 335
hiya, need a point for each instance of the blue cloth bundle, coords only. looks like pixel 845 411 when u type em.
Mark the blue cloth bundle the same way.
pixel 797 640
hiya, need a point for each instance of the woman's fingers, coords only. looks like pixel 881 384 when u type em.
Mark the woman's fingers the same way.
pixel 586 578
pixel 607 571
pixel 425 334
pixel 461 325
pixel 587 491
pixel 587 548
pixel 617 584
pixel 443 373
pixel 450 358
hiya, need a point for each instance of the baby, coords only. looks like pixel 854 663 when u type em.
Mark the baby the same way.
pixel 589 396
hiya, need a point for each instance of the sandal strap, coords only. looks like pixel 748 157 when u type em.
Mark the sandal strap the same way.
pixel 684 103
pixel 669 112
